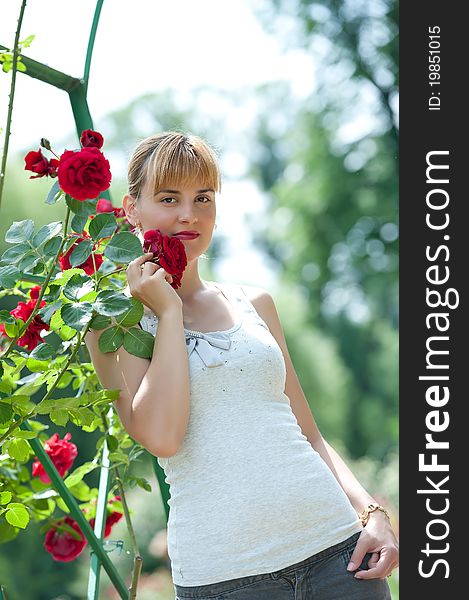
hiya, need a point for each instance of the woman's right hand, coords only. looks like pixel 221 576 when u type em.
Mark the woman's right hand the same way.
pixel 150 283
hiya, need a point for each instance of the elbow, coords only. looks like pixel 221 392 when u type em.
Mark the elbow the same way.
pixel 161 450
pixel 158 445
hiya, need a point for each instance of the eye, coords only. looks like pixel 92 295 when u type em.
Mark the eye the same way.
pixel 167 198
pixel 206 198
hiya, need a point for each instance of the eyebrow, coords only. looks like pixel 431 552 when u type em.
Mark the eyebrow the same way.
pixel 177 192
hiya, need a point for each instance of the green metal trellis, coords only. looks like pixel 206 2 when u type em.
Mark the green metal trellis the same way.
pixel 76 89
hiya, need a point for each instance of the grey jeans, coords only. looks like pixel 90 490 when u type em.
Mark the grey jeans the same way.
pixel 323 576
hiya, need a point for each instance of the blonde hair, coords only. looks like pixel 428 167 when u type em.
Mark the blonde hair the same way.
pixel 171 158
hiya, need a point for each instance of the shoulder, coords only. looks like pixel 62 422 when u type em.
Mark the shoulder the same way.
pixel 264 304
pixel 256 295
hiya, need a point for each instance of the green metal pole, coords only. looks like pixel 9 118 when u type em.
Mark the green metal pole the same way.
pixel 89 51
pixel 101 513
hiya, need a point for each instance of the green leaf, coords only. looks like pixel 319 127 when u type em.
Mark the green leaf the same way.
pixel 111 303
pixel 111 339
pixel 81 252
pixel 53 293
pixel 79 473
pixel 17 515
pixel 49 311
pixel 82 208
pixel 57 404
pixel 42 352
pixel 76 314
pixel 15 253
pixel 131 316
pixel 98 322
pixel 138 342
pixel 54 193
pixel 77 286
pixel 59 417
pixel 12 330
pixel 5 497
pixel 112 442
pixel 78 223
pixel 118 457
pixel 102 226
pixel 28 262
pixel 26 42
pixel 81 416
pixel 6 415
pixel 144 484
pixel 51 247
pixel 123 247
pixel 9 275
pixel 5 317
pixel 7 532
pixel 82 491
pixel 37 366
pixel 46 233
pixel 20 231
pixel 17 448
pixel 24 434
pixel 57 324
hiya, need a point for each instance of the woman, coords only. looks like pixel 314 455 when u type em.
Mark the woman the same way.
pixel 261 506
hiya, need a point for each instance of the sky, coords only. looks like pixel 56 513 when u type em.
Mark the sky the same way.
pixel 146 48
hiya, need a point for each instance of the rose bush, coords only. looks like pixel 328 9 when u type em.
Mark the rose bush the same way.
pixel 67 278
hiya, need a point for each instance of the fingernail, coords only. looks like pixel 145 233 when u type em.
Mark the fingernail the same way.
pixel 358 577
pixel 350 566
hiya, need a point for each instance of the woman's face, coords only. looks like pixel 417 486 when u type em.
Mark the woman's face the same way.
pixel 180 208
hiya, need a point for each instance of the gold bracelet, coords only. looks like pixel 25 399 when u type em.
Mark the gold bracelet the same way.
pixel 369 509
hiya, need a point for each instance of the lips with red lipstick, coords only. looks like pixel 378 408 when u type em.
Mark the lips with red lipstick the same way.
pixel 187 235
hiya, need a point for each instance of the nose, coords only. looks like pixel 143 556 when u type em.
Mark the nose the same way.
pixel 187 215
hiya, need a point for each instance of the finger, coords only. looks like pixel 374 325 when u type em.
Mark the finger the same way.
pixel 357 555
pixel 373 573
pixel 137 262
pixel 165 275
pixel 376 570
pixel 149 268
pixel 373 560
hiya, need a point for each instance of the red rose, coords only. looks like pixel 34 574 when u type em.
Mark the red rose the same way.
pixel 38 163
pixel 105 206
pixel 61 452
pixel 84 174
pixel 34 292
pixel 91 139
pixel 32 336
pixel 87 266
pixel 168 252
pixel 61 544
pixel 111 518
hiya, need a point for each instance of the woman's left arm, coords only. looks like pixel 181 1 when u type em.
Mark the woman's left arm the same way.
pixel 377 537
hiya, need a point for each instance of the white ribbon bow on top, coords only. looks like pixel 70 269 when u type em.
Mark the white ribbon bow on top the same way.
pixel 205 345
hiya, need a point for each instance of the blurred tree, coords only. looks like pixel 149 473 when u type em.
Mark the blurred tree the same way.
pixel 332 178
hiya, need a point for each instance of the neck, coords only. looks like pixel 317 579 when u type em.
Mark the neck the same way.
pixel 191 283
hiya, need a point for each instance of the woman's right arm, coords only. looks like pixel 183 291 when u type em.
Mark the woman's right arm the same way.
pixel 153 404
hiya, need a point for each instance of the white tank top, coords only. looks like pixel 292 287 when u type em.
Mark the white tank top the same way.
pixel 249 494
